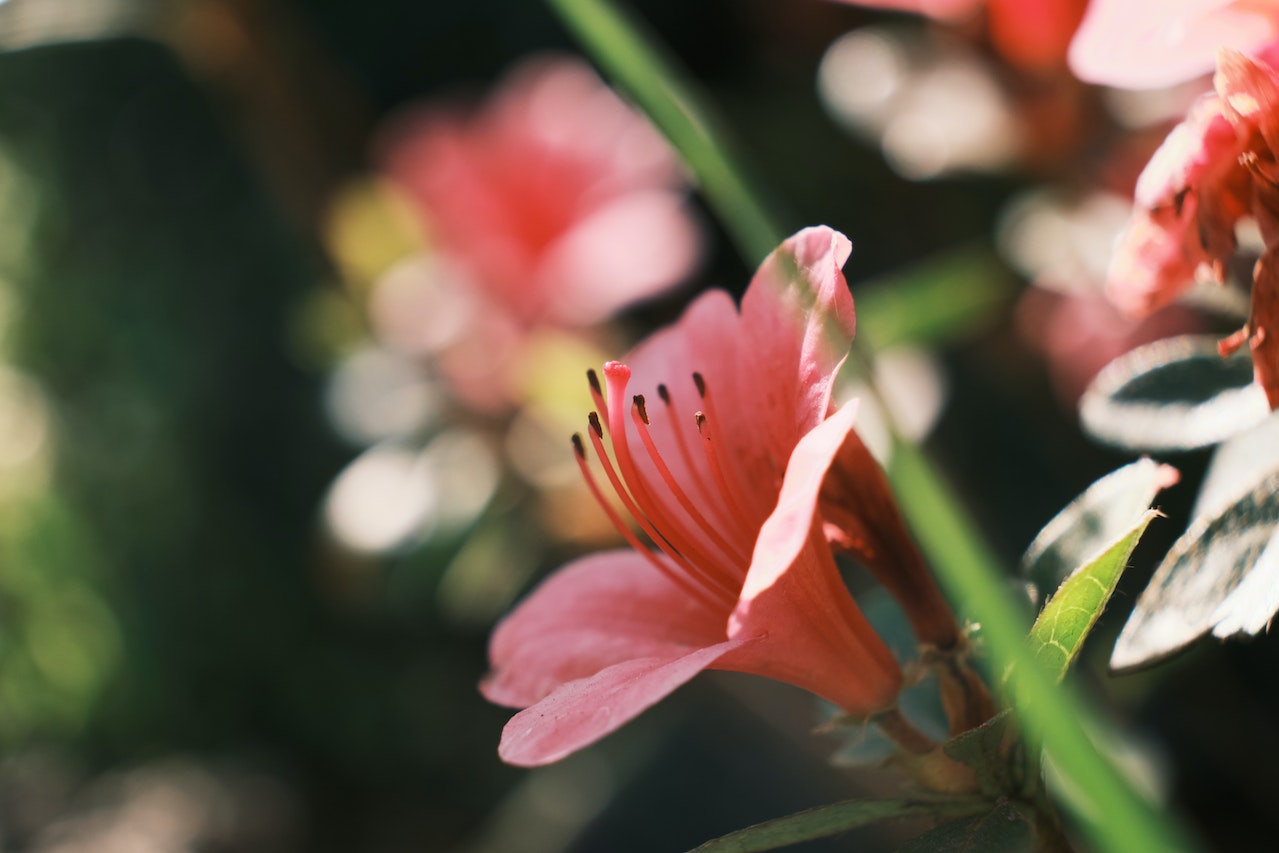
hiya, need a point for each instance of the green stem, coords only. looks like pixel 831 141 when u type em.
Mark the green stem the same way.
pixel 1115 817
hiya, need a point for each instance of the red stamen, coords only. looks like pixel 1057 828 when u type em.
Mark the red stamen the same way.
pixel 675 577
pixel 714 584
pixel 749 491
pixel 738 558
pixel 710 445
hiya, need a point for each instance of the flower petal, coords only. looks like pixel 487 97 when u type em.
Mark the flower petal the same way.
pixel 814 636
pixel 591 614
pixel 1265 325
pixel 1143 45
pixel 798 320
pixel 581 712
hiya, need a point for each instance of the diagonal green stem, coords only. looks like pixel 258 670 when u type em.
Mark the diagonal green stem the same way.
pixel 1114 816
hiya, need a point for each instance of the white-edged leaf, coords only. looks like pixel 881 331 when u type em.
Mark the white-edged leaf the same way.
pixel 1238 465
pixel 1173 394
pixel 1205 582
pixel 1090 524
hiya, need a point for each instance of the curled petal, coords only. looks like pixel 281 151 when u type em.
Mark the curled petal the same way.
pixel 581 712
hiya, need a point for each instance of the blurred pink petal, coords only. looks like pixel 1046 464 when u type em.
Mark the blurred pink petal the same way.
pixel 721 463
pixel 602 247
pixel 1146 44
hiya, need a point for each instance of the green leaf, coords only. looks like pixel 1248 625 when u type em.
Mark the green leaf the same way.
pixel 1174 394
pixel 1003 829
pixel 1221 576
pixel 1071 612
pixel 825 821
pixel 994 751
pixel 1105 512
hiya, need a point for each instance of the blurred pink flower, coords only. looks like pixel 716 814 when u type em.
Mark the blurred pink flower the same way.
pixel 554 203
pixel 1144 44
pixel 727 470
pixel 1214 169
pixel 1027 33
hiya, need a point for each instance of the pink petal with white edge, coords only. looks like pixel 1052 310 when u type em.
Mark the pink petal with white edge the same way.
pixel 581 712
pixel 591 614
pixel 1147 44
pixel 798 318
pixel 814 636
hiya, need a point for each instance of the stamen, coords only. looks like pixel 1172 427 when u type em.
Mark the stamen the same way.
pixel 715 584
pixel 686 454
pixel 738 558
pixel 597 393
pixel 675 577
pixel 710 445
pixel 744 490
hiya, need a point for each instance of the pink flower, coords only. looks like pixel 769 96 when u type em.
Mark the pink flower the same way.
pixel 1028 33
pixel 555 203
pixel 1214 169
pixel 1143 44
pixel 726 460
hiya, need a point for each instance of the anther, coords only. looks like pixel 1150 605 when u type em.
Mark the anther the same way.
pixel 700 419
pixel 578 446
pixel 700 383
pixel 664 393
pixel 595 424
pixel 593 378
pixel 643 410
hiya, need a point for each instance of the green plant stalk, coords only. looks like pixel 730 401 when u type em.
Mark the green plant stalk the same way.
pixel 1118 819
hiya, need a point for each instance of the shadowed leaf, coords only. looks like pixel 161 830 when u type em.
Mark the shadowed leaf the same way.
pixel 1174 394
pixel 825 821
pixel 1222 576
pixel 1003 829
pixel 994 751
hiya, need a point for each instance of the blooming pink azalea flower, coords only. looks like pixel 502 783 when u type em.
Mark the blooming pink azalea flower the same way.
pixel 1214 169
pixel 557 203
pixel 1145 44
pixel 725 461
